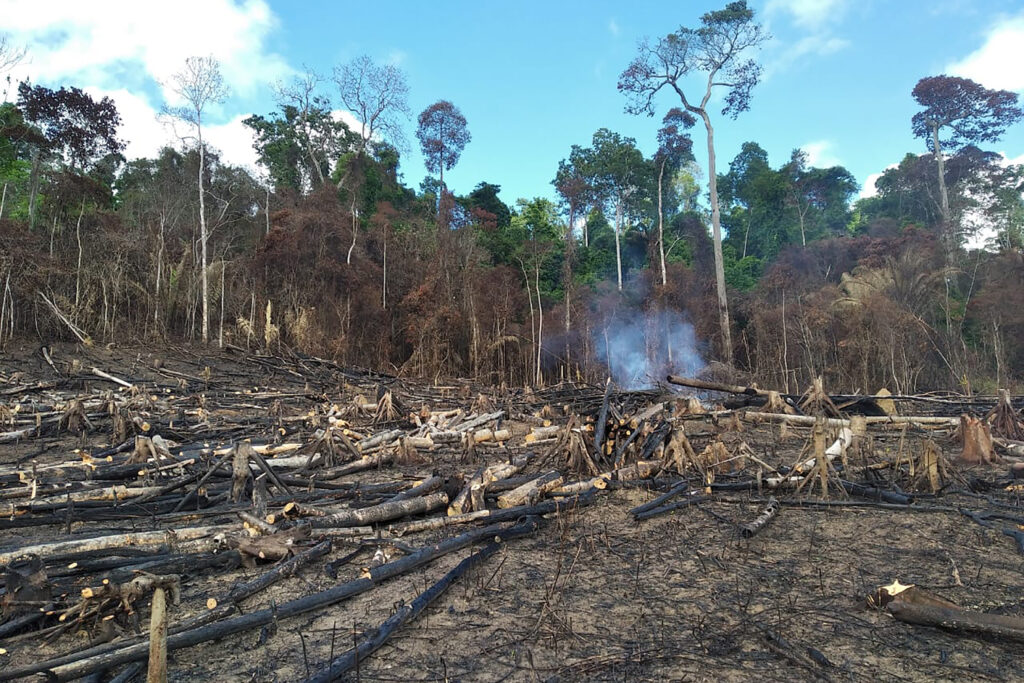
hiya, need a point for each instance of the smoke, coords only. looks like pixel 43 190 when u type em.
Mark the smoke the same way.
pixel 641 347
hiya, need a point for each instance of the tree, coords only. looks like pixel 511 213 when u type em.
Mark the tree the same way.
pixel 971 113
pixel 820 196
pixel 674 149
pixel 575 192
pixel 299 146
pixel 536 225
pixel 10 57
pixel 617 171
pixel 199 85
pixel 443 135
pixel 77 127
pixel 715 48
pixel 377 95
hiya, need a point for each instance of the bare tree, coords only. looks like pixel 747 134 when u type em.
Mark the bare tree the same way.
pixel 200 85
pixel 377 95
pixel 714 49
pixel 10 54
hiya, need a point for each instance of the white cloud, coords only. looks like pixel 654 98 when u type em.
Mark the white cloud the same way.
pixel 808 14
pixel 234 140
pixel 808 46
pixel 105 43
pixel 613 27
pixel 141 128
pixel 997 63
pixel 819 153
pixel 127 50
pixel 869 189
pixel 1011 161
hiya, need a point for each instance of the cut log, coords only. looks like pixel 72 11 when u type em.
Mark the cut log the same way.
pixel 752 528
pixel 923 421
pixel 157 672
pixel 532 491
pixel 959 620
pixel 428 485
pixel 481 479
pixel 381 513
pixel 714 386
pixel 135 539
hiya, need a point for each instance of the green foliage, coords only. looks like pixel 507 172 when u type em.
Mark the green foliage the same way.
pixel 298 146
pixel 741 273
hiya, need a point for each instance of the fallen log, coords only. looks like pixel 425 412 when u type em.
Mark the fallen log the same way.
pixel 466 501
pixel 714 386
pixel 676 490
pixel 72 666
pixel 380 513
pixel 1018 536
pixel 428 485
pixel 531 491
pixel 136 539
pixel 654 512
pixel 405 614
pixel 494 516
pixel 957 619
pixel 922 421
pixel 367 462
pixel 752 528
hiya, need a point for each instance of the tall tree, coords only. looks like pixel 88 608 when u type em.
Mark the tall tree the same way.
pixel 377 95
pixel 443 134
pixel 199 85
pixel 674 149
pixel 536 225
pixel 716 49
pixel 617 172
pixel 959 112
pixel 575 192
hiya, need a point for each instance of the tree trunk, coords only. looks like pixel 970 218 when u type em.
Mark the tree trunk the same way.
pixel 618 250
pixel 220 330
pixel 78 270
pixel 202 233
pixel 948 238
pixel 567 284
pixel 533 326
pixel 352 210
pixel 661 225
pixel 33 189
pixel 3 200
pixel 540 321
pixel 159 272
pixel 943 195
pixel 716 231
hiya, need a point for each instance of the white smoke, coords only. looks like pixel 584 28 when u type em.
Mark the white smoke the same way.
pixel 641 347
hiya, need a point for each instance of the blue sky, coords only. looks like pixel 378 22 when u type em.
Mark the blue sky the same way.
pixel 535 78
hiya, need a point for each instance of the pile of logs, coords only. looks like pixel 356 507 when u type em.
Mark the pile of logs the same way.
pixel 163 482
